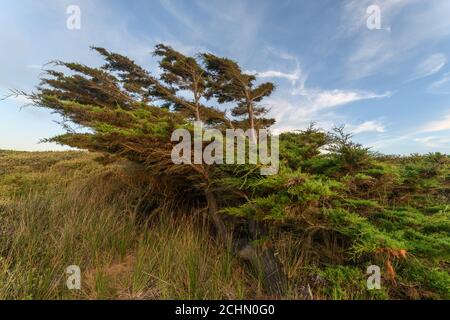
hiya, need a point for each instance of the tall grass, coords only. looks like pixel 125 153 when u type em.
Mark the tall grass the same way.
pixel 76 212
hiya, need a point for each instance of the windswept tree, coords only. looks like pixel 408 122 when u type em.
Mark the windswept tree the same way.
pixel 132 114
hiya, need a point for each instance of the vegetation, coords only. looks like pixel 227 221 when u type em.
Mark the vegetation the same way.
pixel 309 231
pixel 64 208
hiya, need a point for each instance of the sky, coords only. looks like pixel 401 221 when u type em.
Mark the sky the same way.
pixel 389 85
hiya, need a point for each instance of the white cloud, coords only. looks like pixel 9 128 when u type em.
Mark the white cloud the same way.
pixel 441 86
pixel 281 54
pixel 427 141
pixel 439 125
pixel 316 105
pixel 430 137
pixel 433 64
pixel 297 77
pixel 309 100
pixel 276 74
pixel 403 144
pixel 434 142
pixel 322 99
pixel 369 126
pixel 301 104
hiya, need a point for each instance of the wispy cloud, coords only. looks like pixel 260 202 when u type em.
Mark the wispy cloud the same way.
pixel 430 137
pixel 180 15
pixel 297 77
pixel 375 49
pixel 230 26
pixel 372 48
pixel 294 108
pixel 354 14
pixel 369 126
pixel 432 65
pixel 438 125
pixel 441 86
pixel 322 99
pixel 282 54
pixel 276 74
pixel 315 105
pixel 434 142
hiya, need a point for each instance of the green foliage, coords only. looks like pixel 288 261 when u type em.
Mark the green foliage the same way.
pixel 346 283
pixel 296 148
pixel 351 209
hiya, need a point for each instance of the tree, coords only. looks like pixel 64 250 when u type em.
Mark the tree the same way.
pixel 131 114
pixel 184 73
pixel 228 83
pixel 352 156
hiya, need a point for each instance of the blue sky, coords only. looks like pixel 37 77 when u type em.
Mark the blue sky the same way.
pixel 390 86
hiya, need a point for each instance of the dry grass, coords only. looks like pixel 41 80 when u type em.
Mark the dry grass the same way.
pixel 61 209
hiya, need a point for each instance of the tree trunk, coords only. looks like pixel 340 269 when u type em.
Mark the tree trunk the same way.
pixel 197 114
pixel 274 277
pixel 251 119
pixel 264 260
pixel 213 210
